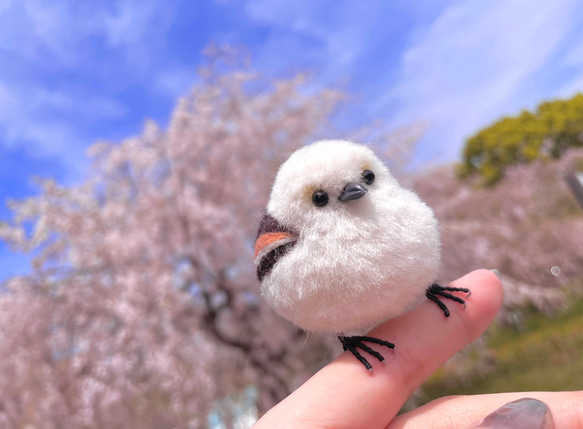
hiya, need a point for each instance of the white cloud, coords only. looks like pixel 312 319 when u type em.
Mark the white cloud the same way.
pixel 462 66
pixel 573 60
pixel 575 56
pixel 469 66
pixel 64 29
pixel 21 126
pixel 35 29
pixel 42 41
pixel 136 26
pixel 5 5
pixel 571 87
pixel 317 32
pixel 46 123
pixel 174 82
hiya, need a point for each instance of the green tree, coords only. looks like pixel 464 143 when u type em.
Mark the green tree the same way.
pixel 564 122
pixel 553 128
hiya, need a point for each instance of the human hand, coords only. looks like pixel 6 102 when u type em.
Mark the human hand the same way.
pixel 343 395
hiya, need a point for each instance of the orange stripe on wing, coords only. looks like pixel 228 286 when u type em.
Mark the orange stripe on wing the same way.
pixel 271 237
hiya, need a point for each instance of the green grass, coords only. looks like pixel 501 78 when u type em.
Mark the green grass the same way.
pixel 546 355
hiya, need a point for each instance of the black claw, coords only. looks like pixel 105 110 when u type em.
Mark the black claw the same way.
pixel 452 297
pixel 455 289
pixel 435 291
pixel 440 304
pixel 372 352
pixel 351 344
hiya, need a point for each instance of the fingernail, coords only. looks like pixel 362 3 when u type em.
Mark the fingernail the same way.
pixel 523 413
pixel 495 271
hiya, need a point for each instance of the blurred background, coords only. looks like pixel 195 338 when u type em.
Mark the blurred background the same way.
pixel 138 143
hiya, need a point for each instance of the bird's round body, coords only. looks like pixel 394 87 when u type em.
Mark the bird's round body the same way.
pixel 340 249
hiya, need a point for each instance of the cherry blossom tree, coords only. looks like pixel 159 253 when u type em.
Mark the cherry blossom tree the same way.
pixel 143 304
pixel 142 308
pixel 528 226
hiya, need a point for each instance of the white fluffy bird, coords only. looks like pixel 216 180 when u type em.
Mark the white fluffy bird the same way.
pixel 343 247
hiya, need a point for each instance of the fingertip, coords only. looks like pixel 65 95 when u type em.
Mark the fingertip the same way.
pixel 482 276
pixel 485 287
pixel 342 392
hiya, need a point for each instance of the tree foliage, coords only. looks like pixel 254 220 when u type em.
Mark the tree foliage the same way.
pixel 143 309
pixel 143 305
pixel 528 227
pixel 553 128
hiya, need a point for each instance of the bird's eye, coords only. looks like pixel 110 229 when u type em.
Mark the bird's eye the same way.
pixel 320 198
pixel 368 177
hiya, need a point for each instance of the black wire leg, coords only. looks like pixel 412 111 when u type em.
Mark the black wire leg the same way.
pixel 435 291
pixel 352 344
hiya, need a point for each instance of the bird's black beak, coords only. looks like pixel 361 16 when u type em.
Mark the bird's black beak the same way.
pixel 352 191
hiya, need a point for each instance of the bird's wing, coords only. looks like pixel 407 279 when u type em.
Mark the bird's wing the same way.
pixel 273 241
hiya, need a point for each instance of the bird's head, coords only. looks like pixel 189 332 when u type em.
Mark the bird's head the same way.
pixel 324 185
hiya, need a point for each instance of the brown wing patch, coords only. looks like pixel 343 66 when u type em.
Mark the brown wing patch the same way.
pixel 270 258
pixel 270 224
pixel 270 232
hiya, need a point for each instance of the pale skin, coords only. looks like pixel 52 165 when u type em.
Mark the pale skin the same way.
pixel 344 395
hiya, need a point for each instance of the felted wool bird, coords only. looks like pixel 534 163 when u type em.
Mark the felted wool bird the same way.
pixel 343 247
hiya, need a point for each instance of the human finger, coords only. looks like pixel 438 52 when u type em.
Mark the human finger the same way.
pixel 344 395
pixel 454 412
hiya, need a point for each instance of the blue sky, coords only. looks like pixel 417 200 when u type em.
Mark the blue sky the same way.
pixel 74 72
